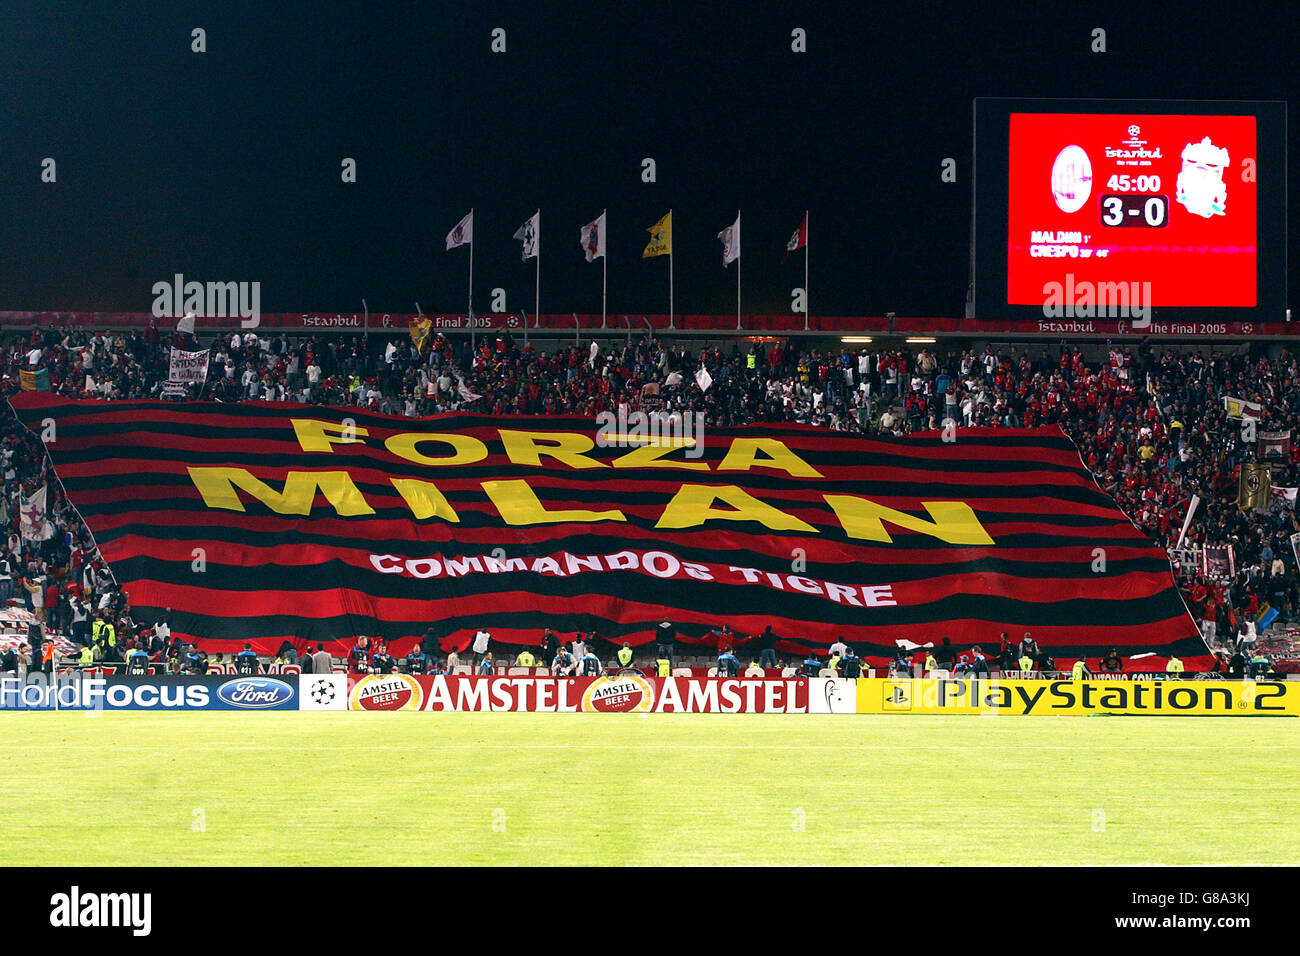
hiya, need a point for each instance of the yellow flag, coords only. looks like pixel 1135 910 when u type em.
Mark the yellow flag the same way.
pixel 661 238
pixel 1253 486
pixel 420 327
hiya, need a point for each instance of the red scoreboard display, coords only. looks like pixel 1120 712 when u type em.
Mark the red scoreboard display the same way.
pixel 1182 203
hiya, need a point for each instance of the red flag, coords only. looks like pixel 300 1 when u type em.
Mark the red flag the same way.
pixel 798 240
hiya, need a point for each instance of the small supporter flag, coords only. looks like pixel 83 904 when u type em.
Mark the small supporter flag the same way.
pixel 463 234
pixel 730 242
pixel 661 238
pixel 593 238
pixel 798 240
pixel 34 381
pixel 420 329
pixel 1254 486
pixel 32 523
pixel 529 235
pixel 1241 408
pixel 1275 444
pixel 703 379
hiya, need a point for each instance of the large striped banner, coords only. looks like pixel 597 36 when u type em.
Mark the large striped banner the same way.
pixel 267 521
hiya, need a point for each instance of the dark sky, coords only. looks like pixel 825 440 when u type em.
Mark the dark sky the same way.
pixel 225 165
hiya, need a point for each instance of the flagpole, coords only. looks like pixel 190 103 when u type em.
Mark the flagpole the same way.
pixel 604 266
pixel 738 256
pixel 805 270
pixel 537 282
pixel 471 265
pixel 670 269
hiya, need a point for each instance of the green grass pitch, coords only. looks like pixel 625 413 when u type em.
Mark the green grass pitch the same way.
pixel 181 789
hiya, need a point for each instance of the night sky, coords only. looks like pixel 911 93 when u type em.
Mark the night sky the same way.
pixel 225 166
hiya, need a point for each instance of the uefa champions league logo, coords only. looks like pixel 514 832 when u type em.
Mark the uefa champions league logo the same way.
pixel 322 692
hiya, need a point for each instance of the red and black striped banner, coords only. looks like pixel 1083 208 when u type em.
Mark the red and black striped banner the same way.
pixel 273 521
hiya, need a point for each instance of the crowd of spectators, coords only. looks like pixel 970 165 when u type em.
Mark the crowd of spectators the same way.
pixel 1150 425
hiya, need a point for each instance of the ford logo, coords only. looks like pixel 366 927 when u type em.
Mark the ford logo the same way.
pixel 255 693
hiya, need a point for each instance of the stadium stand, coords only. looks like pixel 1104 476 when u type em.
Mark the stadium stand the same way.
pixel 1151 427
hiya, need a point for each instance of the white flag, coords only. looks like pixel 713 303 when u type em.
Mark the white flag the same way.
pixel 463 233
pixel 593 238
pixel 1286 496
pixel 1242 409
pixel 530 235
pixel 730 242
pixel 1187 521
pixel 188 367
pixel 464 392
pixel 186 323
pixel 703 379
pixel 31 517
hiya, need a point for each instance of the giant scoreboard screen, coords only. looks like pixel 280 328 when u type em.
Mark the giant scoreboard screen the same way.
pixel 1180 205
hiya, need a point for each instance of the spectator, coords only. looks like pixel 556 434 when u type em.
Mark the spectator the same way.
pixel 246 661
pixel 767 648
pixel 417 661
pixel 429 644
pixel 381 662
pixel 550 644
pixel 591 666
pixel 1008 655
pixel 196 661
pixel 1237 665
pixel 321 661
pixel 485 666
pixel 944 655
pixel 36 596
pixel 562 663
pixel 482 639
pixel 1029 649
pixel 359 656
pixel 851 666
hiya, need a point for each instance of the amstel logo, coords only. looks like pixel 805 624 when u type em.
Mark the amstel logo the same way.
pixel 622 694
pixel 386 692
